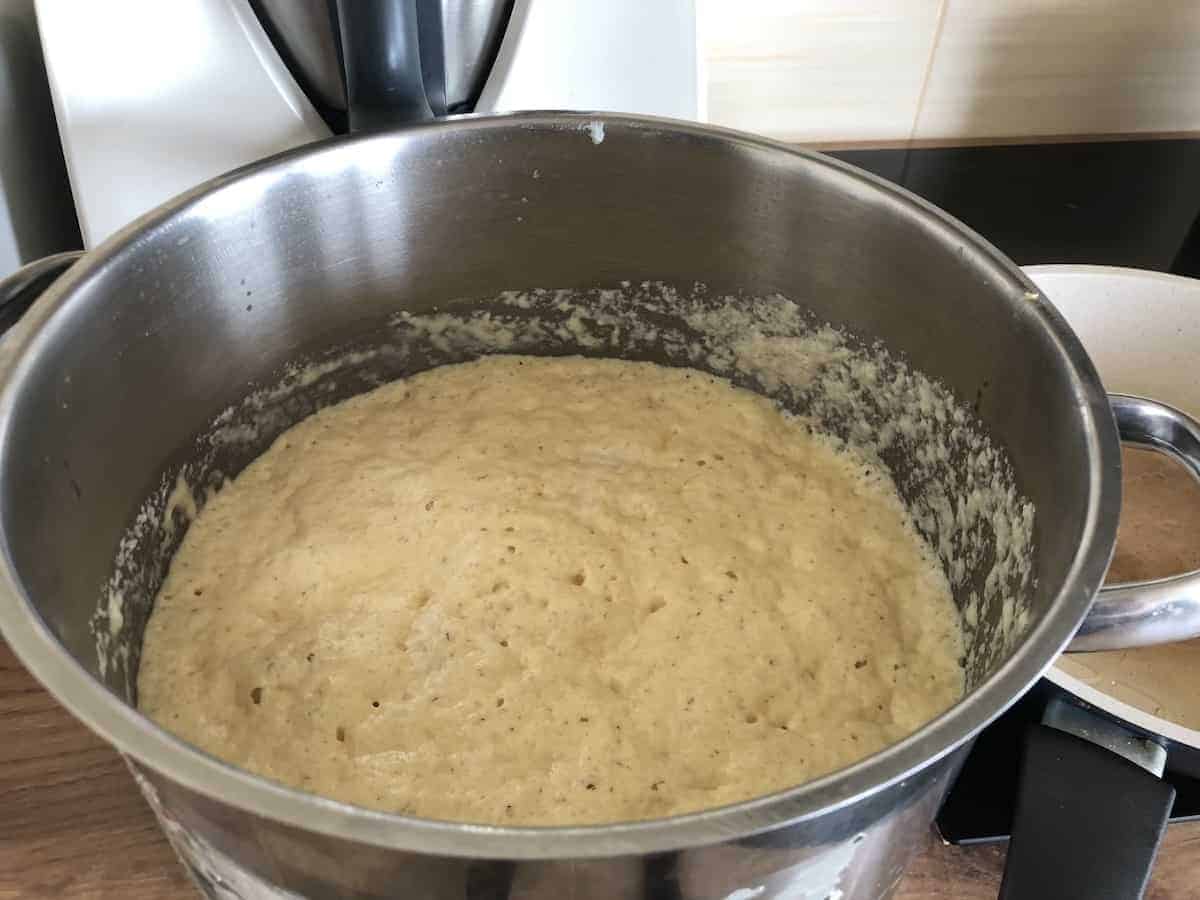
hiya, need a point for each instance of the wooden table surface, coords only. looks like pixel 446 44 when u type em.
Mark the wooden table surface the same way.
pixel 72 824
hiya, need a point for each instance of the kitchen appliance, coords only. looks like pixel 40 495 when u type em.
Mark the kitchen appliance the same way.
pixel 153 98
pixel 36 217
pixel 133 356
pixel 1142 331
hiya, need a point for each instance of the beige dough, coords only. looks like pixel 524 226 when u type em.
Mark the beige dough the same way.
pixel 1159 535
pixel 548 591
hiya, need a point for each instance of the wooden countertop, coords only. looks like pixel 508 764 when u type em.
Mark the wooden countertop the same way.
pixel 72 824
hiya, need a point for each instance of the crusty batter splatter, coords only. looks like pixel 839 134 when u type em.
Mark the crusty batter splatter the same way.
pixel 547 591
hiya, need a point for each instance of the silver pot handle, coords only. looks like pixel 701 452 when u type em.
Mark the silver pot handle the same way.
pixel 22 287
pixel 1150 612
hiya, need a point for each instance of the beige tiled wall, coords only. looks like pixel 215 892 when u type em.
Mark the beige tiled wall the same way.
pixel 817 69
pixel 839 72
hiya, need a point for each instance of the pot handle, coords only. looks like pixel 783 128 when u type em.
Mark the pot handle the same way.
pixel 1091 809
pixel 22 287
pixel 393 61
pixel 1150 612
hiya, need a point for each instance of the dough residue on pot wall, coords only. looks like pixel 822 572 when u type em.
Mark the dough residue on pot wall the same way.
pixel 956 482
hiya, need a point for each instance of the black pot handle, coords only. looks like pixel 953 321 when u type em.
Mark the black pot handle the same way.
pixel 22 287
pixel 1091 809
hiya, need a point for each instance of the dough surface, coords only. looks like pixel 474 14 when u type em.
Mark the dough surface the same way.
pixel 548 591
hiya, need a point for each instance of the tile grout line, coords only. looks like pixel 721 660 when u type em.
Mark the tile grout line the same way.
pixel 933 47
pixel 703 66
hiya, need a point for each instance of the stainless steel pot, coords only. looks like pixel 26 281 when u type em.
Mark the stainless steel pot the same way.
pixel 109 379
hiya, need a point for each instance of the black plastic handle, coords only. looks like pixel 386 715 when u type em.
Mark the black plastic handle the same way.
pixel 22 287
pixel 393 55
pixel 1087 823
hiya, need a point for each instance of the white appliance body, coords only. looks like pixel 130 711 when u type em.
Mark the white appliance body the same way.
pixel 155 97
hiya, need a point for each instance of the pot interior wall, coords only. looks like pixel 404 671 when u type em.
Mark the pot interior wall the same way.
pixel 312 258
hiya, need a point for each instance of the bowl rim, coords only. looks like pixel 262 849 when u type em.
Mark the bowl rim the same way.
pixel 156 749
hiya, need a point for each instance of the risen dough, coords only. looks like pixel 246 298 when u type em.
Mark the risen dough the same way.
pixel 548 591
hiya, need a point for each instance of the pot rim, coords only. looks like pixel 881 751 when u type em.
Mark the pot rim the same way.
pixel 151 746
